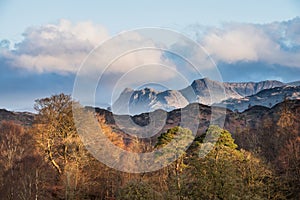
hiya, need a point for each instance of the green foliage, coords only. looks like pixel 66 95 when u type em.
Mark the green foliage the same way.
pixel 171 134
pixel 223 137
pixel 227 173
pixel 173 143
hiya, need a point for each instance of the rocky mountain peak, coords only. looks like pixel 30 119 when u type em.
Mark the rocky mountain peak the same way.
pixel 204 91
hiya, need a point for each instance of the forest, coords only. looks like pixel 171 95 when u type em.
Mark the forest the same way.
pixel 48 160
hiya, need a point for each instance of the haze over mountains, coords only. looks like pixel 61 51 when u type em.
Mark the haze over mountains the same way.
pixel 267 98
pixel 235 96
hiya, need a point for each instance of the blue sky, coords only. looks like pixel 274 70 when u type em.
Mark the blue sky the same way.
pixel 248 40
pixel 117 16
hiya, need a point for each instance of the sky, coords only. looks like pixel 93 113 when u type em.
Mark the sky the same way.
pixel 44 43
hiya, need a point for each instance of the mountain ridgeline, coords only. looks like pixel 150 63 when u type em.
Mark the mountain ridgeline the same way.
pixel 236 96
pixel 23 118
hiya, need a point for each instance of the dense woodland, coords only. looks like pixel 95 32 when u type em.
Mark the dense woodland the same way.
pixel 47 160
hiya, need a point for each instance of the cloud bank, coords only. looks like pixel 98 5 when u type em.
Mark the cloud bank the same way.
pixel 62 47
pixel 275 43
pixel 55 47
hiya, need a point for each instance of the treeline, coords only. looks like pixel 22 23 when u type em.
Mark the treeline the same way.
pixel 49 161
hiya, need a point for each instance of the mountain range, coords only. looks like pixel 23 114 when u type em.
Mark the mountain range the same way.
pixel 256 121
pixel 23 118
pixel 266 98
pixel 235 96
pixel 257 129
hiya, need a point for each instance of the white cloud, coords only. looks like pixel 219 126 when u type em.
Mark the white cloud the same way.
pixel 62 48
pixel 124 53
pixel 56 48
pixel 251 42
pixel 236 43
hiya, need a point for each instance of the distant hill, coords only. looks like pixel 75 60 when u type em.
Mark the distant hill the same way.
pixel 258 129
pixel 252 118
pixel 204 91
pixel 24 118
pixel 147 100
pixel 296 83
pixel 267 98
